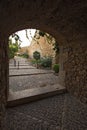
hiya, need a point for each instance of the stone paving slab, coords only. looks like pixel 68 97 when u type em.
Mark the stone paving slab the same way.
pixel 28 71
pixel 60 112
pixel 40 115
pixel 22 66
pixel 34 94
pixel 75 114
pixel 26 65
pixel 12 65
pixel 29 74
pixel 18 83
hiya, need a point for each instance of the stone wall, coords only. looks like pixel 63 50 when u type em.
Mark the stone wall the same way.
pixel 41 45
pixel 76 70
pixel 23 50
pixel 3 80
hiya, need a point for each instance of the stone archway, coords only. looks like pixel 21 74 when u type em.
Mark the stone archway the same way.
pixel 65 20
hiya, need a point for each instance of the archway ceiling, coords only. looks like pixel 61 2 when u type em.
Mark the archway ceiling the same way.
pixel 64 19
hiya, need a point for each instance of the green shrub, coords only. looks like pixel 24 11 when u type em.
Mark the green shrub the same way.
pixel 25 55
pixel 46 62
pixel 36 55
pixel 56 68
pixel 13 48
pixel 33 61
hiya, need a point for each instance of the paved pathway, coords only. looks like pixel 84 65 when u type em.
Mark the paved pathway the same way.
pixel 33 77
pixel 62 112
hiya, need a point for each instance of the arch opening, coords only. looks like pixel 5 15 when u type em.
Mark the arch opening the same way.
pixel 27 74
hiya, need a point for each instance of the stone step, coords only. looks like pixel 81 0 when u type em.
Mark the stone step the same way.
pixel 21 68
pixel 29 95
pixel 19 64
pixel 35 73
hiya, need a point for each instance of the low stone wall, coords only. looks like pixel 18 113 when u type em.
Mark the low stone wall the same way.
pixel 76 70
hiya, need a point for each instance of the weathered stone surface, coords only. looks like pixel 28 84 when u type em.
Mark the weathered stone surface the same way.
pixel 61 112
pixel 41 45
pixel 66 20
pixel 3 81
pixel 76 71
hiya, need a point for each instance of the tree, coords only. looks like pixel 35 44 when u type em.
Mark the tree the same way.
pixel 13 46
pixel 36 56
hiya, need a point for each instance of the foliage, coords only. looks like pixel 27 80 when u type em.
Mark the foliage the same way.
pixel 36 55
pixel 49 38
pixel 24 55
pixel 13 48
pixel 33 61
pixel 56 47
pixel 16 37
pixel 46 62
pixel 41 33
pixel 56 68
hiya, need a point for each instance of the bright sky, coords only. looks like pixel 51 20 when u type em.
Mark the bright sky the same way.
pixel 22 35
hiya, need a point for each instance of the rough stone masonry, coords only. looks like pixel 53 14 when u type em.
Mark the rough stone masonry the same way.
pixel 66 20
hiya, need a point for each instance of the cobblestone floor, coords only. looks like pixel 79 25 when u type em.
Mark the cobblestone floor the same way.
pixel 62 112
pixel 28 71
pixel 18 83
